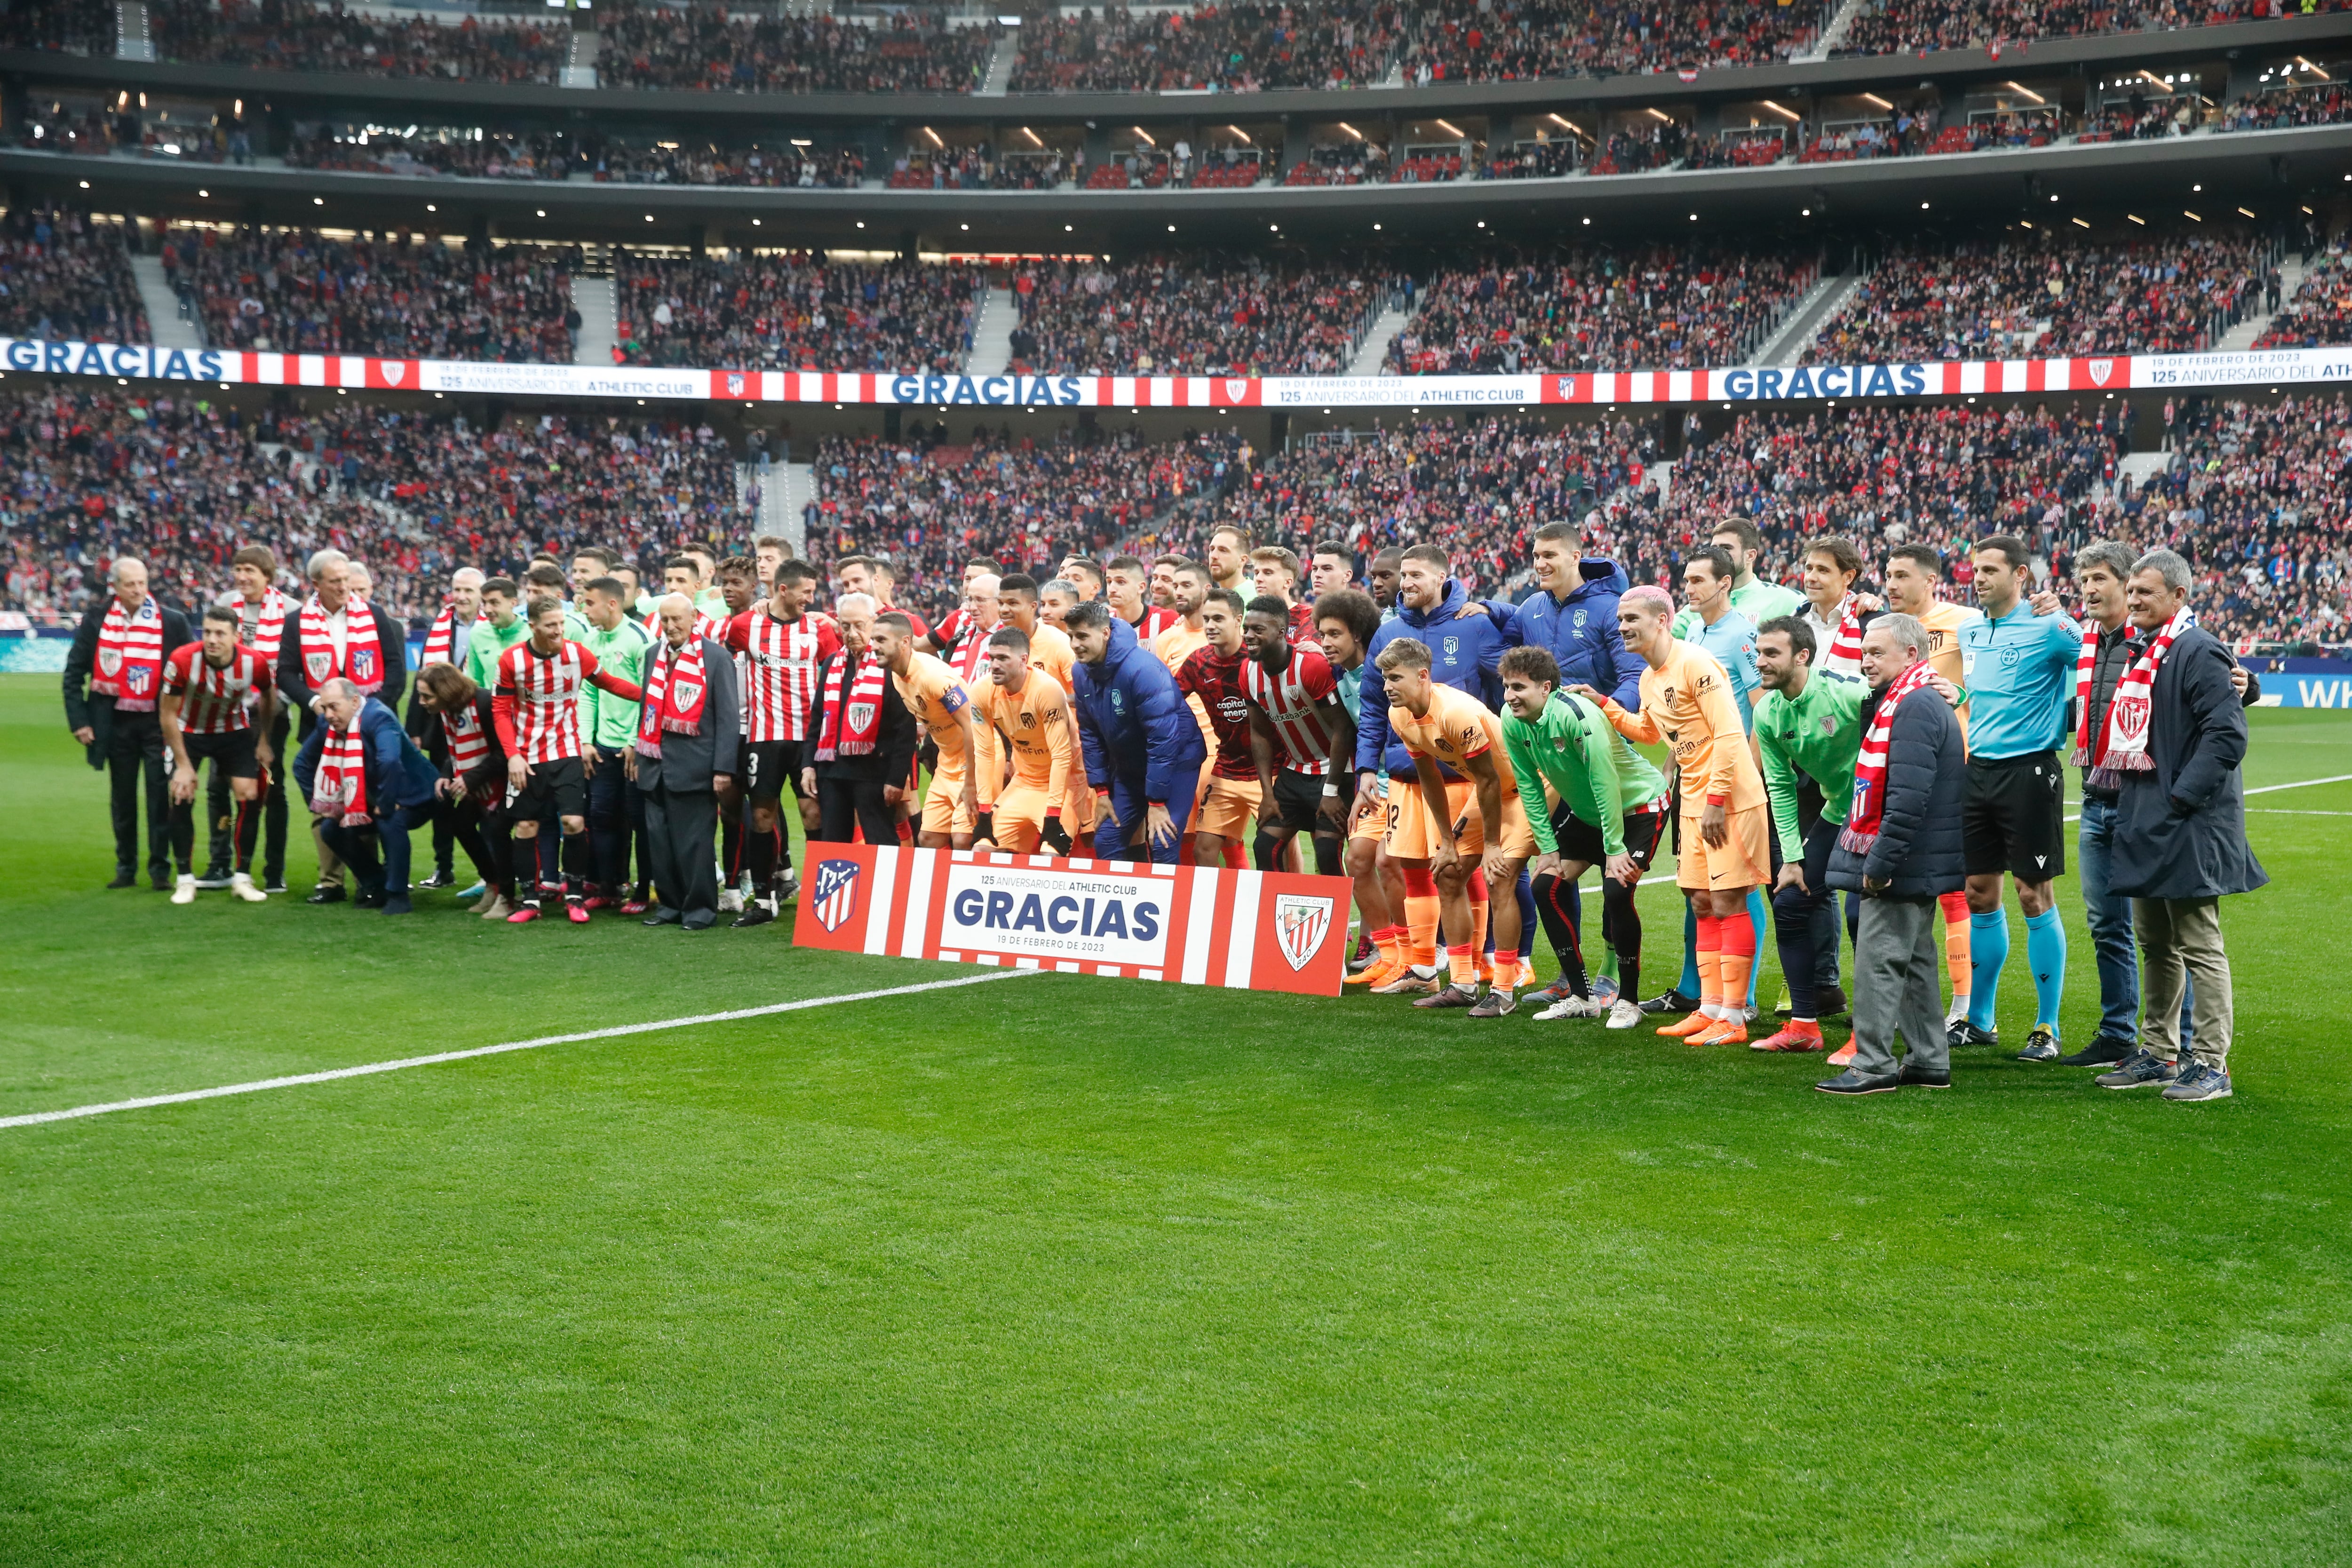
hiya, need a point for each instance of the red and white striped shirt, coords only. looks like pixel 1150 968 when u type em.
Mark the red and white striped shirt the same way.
pixel 1292 701
pixel 968 655
pixel 537 707
pixel 214 701
pixel 779 660
pixel 261 627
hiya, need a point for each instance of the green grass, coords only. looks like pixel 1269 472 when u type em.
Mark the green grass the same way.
pixel 1072 1270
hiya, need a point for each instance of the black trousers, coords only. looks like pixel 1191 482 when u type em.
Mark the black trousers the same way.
pixel 134 751
pixel 616 815
pixel 678 824
pixel 846 805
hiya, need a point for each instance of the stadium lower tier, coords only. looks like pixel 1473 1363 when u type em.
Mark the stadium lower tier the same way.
pixel 412 486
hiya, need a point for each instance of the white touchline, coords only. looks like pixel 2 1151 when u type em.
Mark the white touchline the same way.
pixel 370 1068
pixel 2273 789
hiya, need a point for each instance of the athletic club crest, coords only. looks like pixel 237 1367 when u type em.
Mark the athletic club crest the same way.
pixel 2131 719
pixel 689 692
pixel 109 662
pixel 834 897
pixel 320 665
pixel 1300 924
pixel 861 714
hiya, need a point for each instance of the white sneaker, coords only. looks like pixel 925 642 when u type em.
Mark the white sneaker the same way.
pixel 185 892
pixel 241 886
pixel 730 902
pixel 1625 1015
pixel 1574 1007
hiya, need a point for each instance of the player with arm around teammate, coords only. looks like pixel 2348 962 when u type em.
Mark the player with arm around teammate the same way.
pixel 1612 806
pixel 1295 716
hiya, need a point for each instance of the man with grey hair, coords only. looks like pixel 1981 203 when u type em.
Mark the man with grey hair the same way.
pixel 2170 745
pixel 1901 850
pixel 113 687
pixel 338 634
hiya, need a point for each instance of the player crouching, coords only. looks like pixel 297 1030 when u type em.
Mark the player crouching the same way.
pixel 1445 729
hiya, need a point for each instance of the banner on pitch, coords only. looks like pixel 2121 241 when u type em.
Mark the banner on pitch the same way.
pixel 1196 925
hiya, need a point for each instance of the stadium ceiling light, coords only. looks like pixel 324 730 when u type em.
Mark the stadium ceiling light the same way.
pixel 966 227
pixel 2080 223
pixel 1243 134
pixel 318 201
pixel 2312 68
pixel 1351 131
pixel 1694 218
pixel 2028 91
pixel 1376 229
pixel 861 223
pixel 208 193
pixel 1145 137
pixel 2243 210
pixel 1808 213
pixel 1661 119
pixel 85 185
pixel 2137 219
pixel 1273 228
pixel 542 212
pixel 1874 98
pixel 1171 228
pixel 1922 206
pixel 432 207
pixel 1784 113
pixel 1065 228
pixel 1482 223
pixel 755 222
pixel 2193 216
pixel 649 217
pixel 2196 187
pixel 1587 223
pixel 1448 126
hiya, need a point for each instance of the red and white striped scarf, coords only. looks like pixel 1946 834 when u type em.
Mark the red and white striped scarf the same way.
pixel 468 737
pixel 675 689
pixel 1861 830
pixel 853 709
pixel 1845 641
pixel 2122 744
pixel 442 639
pixel 340 791
pixel 131 656
pixel 261 627
pixel 362 661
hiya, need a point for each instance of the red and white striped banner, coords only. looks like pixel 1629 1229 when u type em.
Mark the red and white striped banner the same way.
pixel 1972 378
pixel 1196 925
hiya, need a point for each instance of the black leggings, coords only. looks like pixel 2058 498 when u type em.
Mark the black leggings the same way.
pixel 1558 905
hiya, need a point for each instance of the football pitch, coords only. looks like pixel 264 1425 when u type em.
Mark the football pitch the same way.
pixel 1063 1270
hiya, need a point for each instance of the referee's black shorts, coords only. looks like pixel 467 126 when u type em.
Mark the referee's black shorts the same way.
pixel 2013 816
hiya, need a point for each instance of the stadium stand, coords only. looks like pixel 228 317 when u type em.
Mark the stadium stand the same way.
pixel 2320 314
pixel 1517 40
pixel 1230 49
pixel 1194 316
pixel 1662 307
pixel 297 35
pixel 292 290
pixel 65 275
pixel 700 50
pixel 2050 295
pixel 1919 26
pixel 792 309
pixel 184 482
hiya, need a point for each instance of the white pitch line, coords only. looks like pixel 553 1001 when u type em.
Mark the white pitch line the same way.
pixel 2273 789
pixel 371 1067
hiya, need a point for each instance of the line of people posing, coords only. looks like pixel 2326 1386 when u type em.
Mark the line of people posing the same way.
pixel 1463 762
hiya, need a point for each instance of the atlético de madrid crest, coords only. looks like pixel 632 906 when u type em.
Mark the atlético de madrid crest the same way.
pixel 835 896
pixel 1300 924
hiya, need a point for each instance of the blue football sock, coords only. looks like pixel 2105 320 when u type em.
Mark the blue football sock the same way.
pixel 1688 983
pixel 2045 954
pixel 1760 916
pixel 1988 951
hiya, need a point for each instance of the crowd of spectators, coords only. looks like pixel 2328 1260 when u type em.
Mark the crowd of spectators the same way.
pixel 183 481
pixel 66 275
pixel 1346 164
pixel 1667 307
pixel 929 505
pixel 705 49
pixel 1917 26
pixel 2050 296
pixel 556 155
pixel 983 168
pixel 2320 314
pixel 2278 109
pixel 1631 149
pixel 1207 315
pixel 1546 159
pixel 297 35
pixel 794 310
pixel 1228 47
pixel 67 26
pixel 397 296
pixel 1517 40
pixel 2256 498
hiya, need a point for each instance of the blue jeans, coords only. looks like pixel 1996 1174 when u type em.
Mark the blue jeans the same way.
pixel 2111 931
pixel 1126 818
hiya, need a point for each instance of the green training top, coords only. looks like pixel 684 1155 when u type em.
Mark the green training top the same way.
pixel 610 722
pixel 1818 735
pixel 1759 600
pixel 483 648
pixel 1580 754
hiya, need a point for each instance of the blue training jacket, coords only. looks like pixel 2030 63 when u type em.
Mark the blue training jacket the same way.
pixel 1132 719
pixel 1462 653
pixel 1580 631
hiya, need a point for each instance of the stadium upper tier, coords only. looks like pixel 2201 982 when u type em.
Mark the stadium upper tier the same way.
pixel 2054 293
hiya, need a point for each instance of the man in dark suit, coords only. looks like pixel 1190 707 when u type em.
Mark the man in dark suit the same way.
pixel 2175 738
pixel 336 633
pixel 114 675
pixel 687 736
pixel 1900 849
